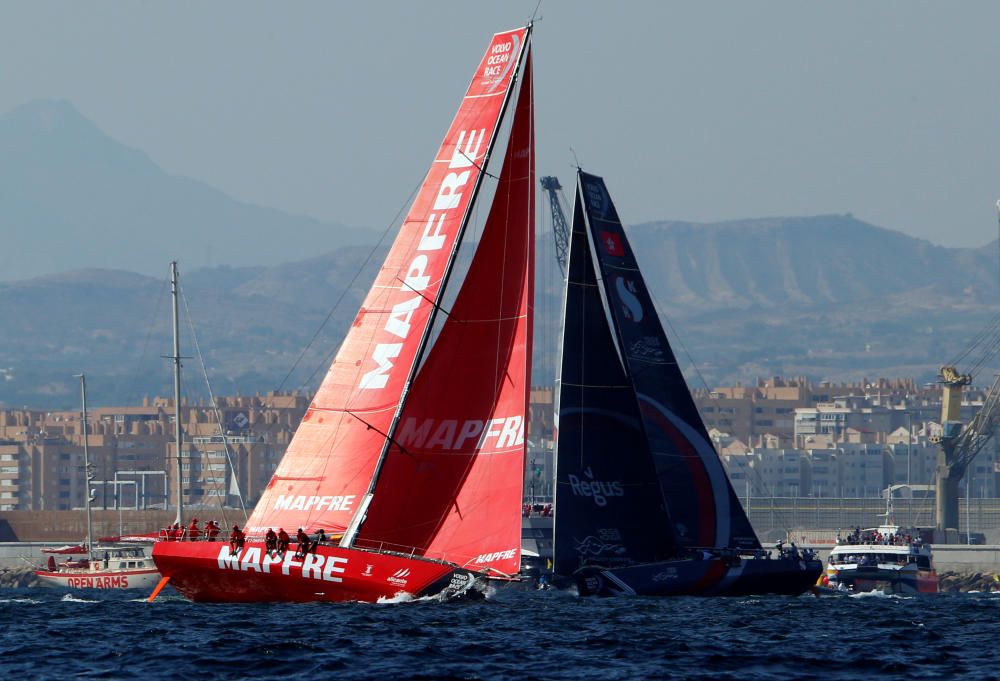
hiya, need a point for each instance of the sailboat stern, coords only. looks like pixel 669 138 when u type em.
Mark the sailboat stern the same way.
pixel 211 572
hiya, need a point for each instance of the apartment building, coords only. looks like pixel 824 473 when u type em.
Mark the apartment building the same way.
pixel 133 454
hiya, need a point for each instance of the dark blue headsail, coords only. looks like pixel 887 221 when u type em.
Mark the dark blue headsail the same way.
pixel 703 506
pixel 609 506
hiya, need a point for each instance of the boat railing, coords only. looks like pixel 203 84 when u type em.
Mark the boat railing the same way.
pixel 869 559
pixel 414 552
pixel 403 550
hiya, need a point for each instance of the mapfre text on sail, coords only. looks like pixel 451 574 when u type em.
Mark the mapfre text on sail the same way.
pixel 417 278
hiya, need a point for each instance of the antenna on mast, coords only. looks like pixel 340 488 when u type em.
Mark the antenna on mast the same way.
pixel 534 14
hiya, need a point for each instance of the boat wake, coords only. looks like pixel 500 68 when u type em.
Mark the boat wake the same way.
pixel 401 597
pixel 880 594
pixel 29 601
pixel 69 598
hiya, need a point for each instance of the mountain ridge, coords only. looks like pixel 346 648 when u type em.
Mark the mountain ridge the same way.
pixel 748 305
pixel 71 196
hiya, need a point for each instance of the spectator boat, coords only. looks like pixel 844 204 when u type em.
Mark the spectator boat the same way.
pixel 883 558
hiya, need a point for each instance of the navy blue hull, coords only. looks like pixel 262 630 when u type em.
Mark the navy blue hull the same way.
pixel 713 577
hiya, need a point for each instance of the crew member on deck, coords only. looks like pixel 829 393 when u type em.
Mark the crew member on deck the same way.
pixel 194 532
pixel 320 538
pixel 270 540
pixel 211 530
pixel 234 538
pixel 283 540
pixel 303 544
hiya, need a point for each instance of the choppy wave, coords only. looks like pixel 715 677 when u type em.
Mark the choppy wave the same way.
pixel 70 598
pixel 544 635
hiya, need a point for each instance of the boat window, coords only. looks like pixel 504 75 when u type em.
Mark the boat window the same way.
pixel 142 563
pixel 121 565
pixel 924 562
pixel 131 563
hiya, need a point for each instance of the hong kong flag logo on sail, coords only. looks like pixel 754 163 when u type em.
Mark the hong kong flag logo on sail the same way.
pixel 612 244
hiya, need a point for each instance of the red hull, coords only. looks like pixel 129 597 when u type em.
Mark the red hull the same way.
pixel 207 572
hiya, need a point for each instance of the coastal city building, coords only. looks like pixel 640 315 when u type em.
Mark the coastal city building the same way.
pixel 132 453
pixel 778 438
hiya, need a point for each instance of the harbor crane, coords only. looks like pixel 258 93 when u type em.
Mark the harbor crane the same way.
pixel 958 445
pixel 560 229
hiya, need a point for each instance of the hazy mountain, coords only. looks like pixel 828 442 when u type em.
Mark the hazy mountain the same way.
pixel 829 259
pixel 828 297
pixel 71 197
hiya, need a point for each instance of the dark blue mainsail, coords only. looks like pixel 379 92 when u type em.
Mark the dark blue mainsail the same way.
pixel 610 509
pixel 703 506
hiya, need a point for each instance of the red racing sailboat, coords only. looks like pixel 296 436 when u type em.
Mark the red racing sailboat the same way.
pixel 411 454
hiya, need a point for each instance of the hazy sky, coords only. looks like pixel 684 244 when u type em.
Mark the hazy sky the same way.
pixel 699 111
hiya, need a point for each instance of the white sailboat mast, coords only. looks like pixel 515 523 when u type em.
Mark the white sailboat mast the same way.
pixel 176 357
pixel 87 473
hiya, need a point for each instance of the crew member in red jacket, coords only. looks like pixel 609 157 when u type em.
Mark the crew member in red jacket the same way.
pixel 283 540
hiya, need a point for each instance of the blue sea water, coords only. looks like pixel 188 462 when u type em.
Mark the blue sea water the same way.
pixel 46 634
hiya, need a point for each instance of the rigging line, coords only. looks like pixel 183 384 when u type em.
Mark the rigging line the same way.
pixel 186 390
pixel 145 344
pixel 673 330
pixel 977 340
pixel 988 354
pixel 382 433
pixel 993 326
pixel 347 288
pixel 480 168
pixel 215 407
pixel 432 303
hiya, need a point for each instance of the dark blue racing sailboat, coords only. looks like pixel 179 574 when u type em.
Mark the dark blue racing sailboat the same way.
pixel 643 503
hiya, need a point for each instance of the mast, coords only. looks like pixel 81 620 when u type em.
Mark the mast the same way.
pixel 88 475
pixel 176 357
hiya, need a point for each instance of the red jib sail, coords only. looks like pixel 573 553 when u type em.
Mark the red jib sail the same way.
pixel 453 476
pixel 324 478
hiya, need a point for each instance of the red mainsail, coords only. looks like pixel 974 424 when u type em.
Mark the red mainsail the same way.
pixel 453 476
pixel 325 478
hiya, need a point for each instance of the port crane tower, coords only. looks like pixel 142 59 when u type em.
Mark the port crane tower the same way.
pixel 958 445
pixel 560 229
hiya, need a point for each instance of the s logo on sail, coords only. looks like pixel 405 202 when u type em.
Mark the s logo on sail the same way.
pixel 630 302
